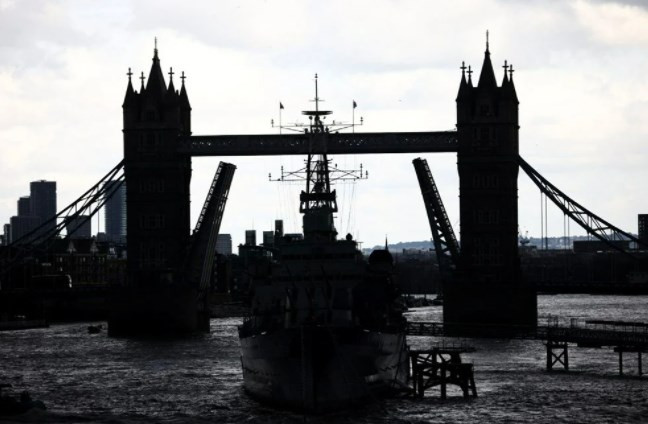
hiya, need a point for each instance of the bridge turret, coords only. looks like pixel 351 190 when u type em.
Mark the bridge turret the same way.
pixel 488 285
pixel 130 105
pixel 185 108
pixel 157 176
pixel 157 209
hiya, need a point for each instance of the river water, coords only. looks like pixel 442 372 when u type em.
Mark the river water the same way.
pixel 85 378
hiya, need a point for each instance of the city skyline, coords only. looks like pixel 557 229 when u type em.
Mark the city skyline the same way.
pixel 580 85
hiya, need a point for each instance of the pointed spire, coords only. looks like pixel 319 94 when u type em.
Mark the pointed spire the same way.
pixel 386 244
pixel 142 78
pixel 508 88
pixel 487 76
pixel 463 85
pixel 171 88
pixel 130 92
pixel 470 72
pixel 505 80
pixel 184 98
pixel 487 47
pixel 156 85
pixel 130 82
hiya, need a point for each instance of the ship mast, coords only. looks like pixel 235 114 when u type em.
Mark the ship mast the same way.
pixel 318 202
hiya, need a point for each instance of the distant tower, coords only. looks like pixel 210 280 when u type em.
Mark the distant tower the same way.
pixel 157 176
pixel 78 227
pixel 250 237
pixel 42 201
pixel 643 227
pixel 24 206
pixel 488 287
pixel 115 211
pixel 224 244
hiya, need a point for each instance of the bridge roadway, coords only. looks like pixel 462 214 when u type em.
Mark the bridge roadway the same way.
pixel 315 143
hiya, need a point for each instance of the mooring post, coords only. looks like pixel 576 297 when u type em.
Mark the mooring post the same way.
pixel 639 363
pixel 443 382
pixel 549 356
pixel 566 357
pixel 620 362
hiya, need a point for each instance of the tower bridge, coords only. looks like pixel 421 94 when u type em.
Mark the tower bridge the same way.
pixel 159 145
pixel 163 294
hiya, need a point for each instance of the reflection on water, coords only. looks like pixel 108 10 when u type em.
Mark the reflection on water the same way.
pixel 93 378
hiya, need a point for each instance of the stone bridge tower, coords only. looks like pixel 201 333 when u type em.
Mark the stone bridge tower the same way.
pixel 488 287
pixel 158 216
pixel 157 177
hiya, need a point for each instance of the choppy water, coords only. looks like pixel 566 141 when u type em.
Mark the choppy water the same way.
pixel 92 378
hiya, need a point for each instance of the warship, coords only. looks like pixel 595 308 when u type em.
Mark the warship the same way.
pixel 325 329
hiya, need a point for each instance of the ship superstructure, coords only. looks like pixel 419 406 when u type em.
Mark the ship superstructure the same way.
pixel 325 330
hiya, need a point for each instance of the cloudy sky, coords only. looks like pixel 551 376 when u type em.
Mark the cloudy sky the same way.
pixel 581 70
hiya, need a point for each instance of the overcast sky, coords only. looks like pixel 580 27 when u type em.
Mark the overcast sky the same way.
pixel 581 70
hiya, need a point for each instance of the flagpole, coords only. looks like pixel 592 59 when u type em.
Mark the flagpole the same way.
pixel 280 107
pixel 353 118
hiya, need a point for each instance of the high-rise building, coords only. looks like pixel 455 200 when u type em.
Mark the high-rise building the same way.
pixel 6 233
pixel 224 244
pixel 643 227
pixel 43 202
pixel 279 230
pixel 78 227
pixel 24 206
pixel 115 211
pixel 268 238
pixel 21 225
pixel 250 237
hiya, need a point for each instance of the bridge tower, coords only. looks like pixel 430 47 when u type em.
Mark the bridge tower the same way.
pixel 157 181
pixel 488 287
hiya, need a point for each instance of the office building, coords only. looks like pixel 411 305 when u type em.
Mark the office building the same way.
pixel 268 238
pixel 24 206
pixel 643 227
pixel 79 227
pixel 6 233
pixel 115 211
pixel 224 244
pixel 279 229
pixel 42 201
pixel 250 237
pixel 21 225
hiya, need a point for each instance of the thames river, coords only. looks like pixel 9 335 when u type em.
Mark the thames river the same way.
pixel 91 378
